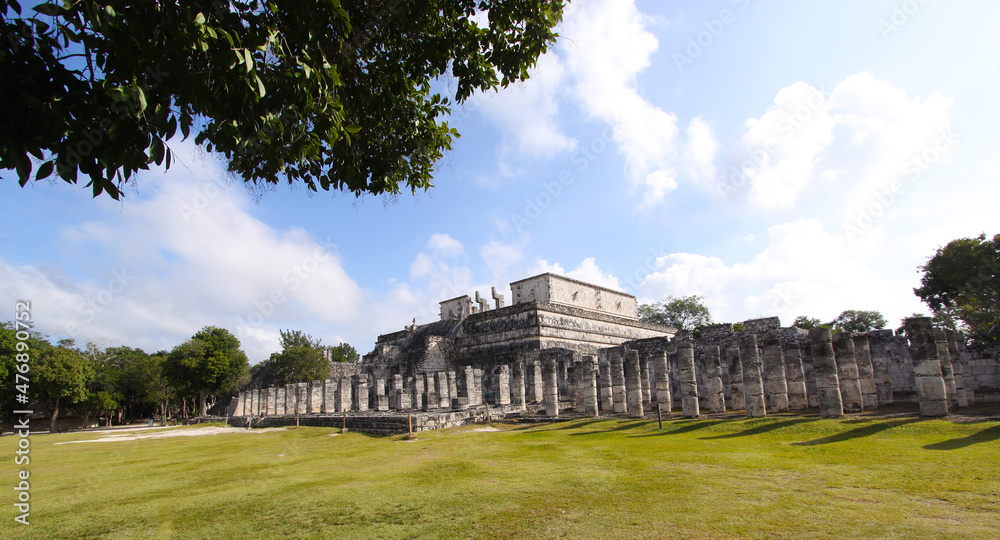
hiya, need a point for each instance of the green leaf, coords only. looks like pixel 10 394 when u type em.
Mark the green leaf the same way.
pixel 199 19
pixel 260 87
pixel 156 152
pixel 352 129
pixel 49 9
pixel 248 58
pixel 45 170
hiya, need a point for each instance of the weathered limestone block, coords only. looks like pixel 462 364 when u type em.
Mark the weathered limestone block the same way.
pixel 716 398
pixel 633 383
pixel 866 372
pixel 304 397
pixel 735 366
pixel 279 401
pixel 605 396
pixel 329 395
pixel 576 387
pixel 345 395
pixel 947 369
pixel 562 365
pixel 825 370
pixel 359 391
pixel 662 376
pixel 244 404
pixel 517 386
pixel 551 389
pixel 315 404
pixel 588 376
pixel 688 380
pixel 753 384
pixel 269 396
pixel 618 381
pixel 795 376
pixel 254 398
pixel 442 391
pixel 775 384
pixel 847 370
pixel 962 398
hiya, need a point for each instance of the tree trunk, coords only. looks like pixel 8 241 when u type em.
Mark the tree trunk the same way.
pixel 201 403
pixel 86 418
pixel 55 413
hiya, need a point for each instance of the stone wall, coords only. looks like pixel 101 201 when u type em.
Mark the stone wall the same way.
pixel 556 289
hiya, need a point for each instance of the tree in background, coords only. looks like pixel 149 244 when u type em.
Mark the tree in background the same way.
pixel 807 323
pixel 344 353
pixel 682 313
pixel 60 376
pixel 333 95
pixel 209 363
pixel 961 285
pixel 854 320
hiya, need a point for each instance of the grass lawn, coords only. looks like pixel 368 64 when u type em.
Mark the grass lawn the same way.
pixel 783 476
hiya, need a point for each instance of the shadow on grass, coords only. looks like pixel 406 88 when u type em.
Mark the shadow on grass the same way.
pixel 986 435
pixel 580 424
pixel 764 428
pixel 859 432
pixel 684 428
pixel 624 425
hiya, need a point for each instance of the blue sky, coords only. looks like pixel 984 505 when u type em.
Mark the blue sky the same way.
pixel 778 158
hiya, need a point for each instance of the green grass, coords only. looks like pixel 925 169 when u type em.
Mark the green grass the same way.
pixel 779 477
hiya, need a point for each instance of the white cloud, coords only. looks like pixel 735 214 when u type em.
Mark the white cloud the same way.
pixel 587 271
pixel 190 254
pixel 445 245
pixel 699 151
pixel 862 138
pixel 606 45
pixel 804 270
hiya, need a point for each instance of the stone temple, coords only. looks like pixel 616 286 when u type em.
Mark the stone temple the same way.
pixel 565 345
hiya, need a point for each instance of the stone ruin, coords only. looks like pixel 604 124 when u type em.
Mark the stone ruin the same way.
pixel 565 345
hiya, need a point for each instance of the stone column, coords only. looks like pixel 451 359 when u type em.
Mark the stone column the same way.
pixel 753 384
pixel 429 400
pixel 947 369
pixel 716 398
pixel 477 379
pixel 605 397
pixel 329 395
pixel 535 386
pixel 795 376
pixel 551 390
pixel 575 386
pixel 644 380
pixel 419 391
pixel 688 380
pixel 345 396
pixel 465 386
pixel 880 366
pixel 926 367
pixel 809 372
pixel 847 370
pixel 503 386
pixel 562 365
pixel 517 385
pixel 443 392
pixel 956 362
pixel 381 401
pixel 268 401
pixel 241 405
pixel 291 398
pixel 735 366
pixel 825 369
pixel 965 358
pixel 618 381
pixel 453 389
pixel 662 376
pixel 396 392
pixel 633 383
pixel 359 387
pixel 866 372
pixel 302 398
pixel 254 402
pixel 279 400
pixel 315 397
pixel 776 385
pixel 588 375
